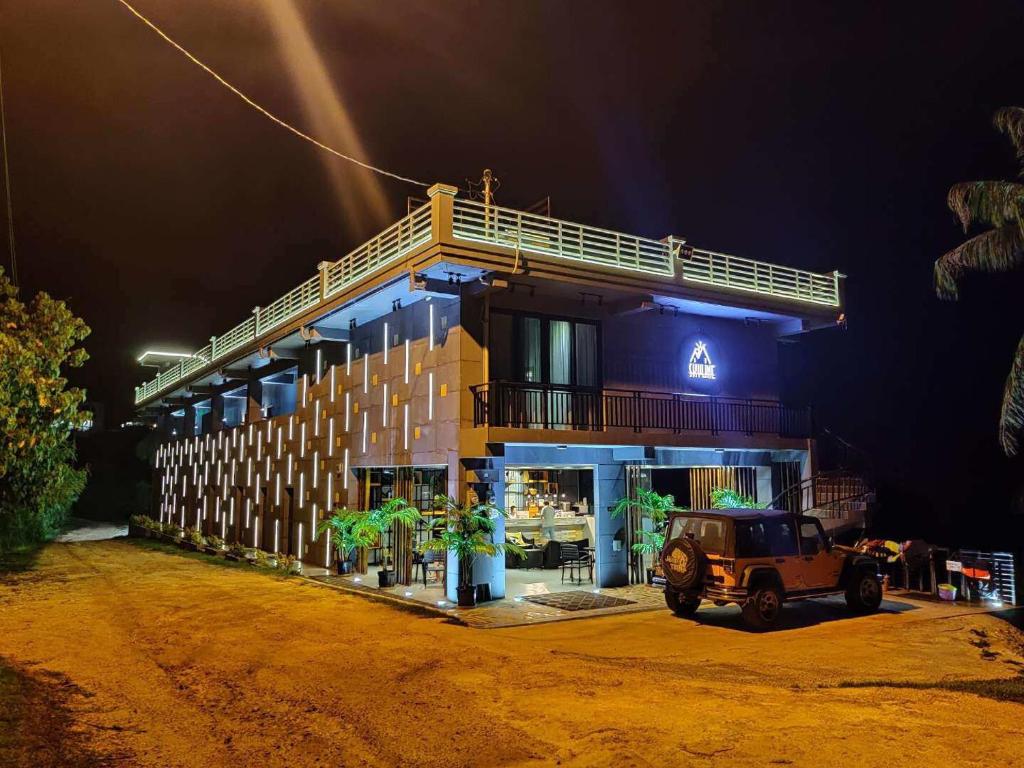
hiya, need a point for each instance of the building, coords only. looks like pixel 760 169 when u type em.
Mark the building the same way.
pixel 473 349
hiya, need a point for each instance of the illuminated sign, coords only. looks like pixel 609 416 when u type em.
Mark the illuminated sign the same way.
pixel 701 365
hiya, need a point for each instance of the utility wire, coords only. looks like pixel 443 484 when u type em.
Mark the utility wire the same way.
pixel 7 184
pixel 266 113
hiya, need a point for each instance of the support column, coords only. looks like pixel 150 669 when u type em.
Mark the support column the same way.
pixel 188 427
pixel 253 399
pixel 216 413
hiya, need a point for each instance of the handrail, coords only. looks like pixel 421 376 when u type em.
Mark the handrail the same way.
pixel 762 277
pixel 565 239
pixel 390 245
pixel 520 405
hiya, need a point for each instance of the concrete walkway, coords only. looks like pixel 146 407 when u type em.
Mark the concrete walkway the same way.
pixel 92 530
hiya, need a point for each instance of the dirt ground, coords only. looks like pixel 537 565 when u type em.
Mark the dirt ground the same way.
pixel 140 657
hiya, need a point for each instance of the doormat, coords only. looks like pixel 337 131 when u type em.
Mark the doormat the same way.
pixel 578 601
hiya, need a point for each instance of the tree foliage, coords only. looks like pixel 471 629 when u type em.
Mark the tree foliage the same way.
pixel 1000 206
pixel 38 411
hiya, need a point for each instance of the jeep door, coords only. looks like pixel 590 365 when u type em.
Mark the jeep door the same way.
pixel 819 565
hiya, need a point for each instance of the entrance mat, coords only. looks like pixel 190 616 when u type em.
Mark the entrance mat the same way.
pixel 577 600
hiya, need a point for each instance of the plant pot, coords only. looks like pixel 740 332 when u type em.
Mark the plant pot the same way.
pixel 650 576
pixel 385 579
pixel 466 595
pixel 483 593
pixel 344 567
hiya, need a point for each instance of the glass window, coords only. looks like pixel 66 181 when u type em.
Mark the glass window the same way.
pixel 765 538
pixel 500 346
pixel 560 352
pixel 709 533
pixel 531 349
pixel 586 355
pixel 811 542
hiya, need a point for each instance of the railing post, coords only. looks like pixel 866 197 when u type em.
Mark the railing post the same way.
pixel 256 325
pixel 213 349
pixel 442 210
pixel 322 269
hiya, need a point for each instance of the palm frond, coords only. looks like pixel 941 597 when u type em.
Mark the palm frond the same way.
pixel 1011 418
pixel 997 250
pixel 990 202
pixel 1010 120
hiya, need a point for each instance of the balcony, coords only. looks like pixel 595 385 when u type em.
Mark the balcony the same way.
pixel 543 406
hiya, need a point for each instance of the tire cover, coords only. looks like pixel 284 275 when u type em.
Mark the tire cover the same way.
pixel 682 562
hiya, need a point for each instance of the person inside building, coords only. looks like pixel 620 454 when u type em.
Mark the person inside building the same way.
pixel 547 521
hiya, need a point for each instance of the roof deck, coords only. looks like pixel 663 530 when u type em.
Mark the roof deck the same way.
pixel 486 238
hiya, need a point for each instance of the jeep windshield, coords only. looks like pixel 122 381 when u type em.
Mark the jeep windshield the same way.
pixel 709 532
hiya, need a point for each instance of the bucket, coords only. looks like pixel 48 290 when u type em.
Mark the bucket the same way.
pixel 947 592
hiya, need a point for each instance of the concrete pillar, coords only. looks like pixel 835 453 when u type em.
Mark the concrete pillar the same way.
pixel 216 413
pixel 188 427
pixel 254 399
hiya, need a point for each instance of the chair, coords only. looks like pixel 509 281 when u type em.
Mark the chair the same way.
pixel 575 560
pixel 435 562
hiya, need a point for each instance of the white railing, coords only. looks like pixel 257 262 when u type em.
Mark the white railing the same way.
pixel 742 274
pixel 390 245
pixel 566 240
pixel 509 228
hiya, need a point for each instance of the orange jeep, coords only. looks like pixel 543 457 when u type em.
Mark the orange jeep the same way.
pixel 759 558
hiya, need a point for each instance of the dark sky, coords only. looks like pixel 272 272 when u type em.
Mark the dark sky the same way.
pixel 163 209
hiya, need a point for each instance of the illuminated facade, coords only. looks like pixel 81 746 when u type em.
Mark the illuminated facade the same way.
pixel 472 349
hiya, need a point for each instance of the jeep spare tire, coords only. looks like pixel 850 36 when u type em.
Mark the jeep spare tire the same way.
pixel 683 563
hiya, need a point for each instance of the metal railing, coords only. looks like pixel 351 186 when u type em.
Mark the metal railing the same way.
pixel 546 406
pixel 389 246
pixel 565 239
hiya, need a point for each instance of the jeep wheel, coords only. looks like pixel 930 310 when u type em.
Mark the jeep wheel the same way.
pixel 761 611
pixel 684 607
pixel 864 594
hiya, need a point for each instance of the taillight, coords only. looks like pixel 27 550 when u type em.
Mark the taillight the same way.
pixel 729 566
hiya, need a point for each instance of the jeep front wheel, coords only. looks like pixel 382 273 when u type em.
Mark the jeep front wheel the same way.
pixel 761 611
pixel 680 605
pixel 864 594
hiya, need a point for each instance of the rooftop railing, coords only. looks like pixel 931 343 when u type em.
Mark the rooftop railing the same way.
pixel 509 228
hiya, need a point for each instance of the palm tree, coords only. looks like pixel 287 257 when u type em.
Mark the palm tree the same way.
pixel 382 519
pixel 654 506
pixel 467 530
pixel 349 530
pixel 1000 205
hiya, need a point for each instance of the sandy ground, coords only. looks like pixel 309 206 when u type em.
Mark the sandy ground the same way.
pixel 158 660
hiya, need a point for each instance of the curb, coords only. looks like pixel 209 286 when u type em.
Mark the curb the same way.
pixel 389 599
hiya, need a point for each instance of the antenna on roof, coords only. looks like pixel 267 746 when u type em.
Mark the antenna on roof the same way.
pixel 485 188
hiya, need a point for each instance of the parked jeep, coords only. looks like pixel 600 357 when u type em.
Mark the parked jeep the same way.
pixel 759 558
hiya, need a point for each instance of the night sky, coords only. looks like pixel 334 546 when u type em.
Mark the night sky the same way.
pixel 163 209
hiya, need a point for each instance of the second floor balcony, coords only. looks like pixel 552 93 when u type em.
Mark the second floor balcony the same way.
pixel 516 405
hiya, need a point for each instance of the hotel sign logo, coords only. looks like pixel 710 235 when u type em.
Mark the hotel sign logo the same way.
pixel 701 365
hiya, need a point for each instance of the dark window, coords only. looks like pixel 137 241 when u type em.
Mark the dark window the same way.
pixel 765 538
pixel 811 542
pixel 544 350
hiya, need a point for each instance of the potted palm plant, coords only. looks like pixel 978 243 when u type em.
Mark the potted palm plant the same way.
pixel 381 520
pixel 467 530
pixel 349 530
pixel 656 508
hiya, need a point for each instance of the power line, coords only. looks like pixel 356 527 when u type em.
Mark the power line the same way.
pixel 266 113
pixel 7 184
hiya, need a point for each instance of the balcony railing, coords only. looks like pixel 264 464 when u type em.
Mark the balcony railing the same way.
pixel 545 406
pixel 669 259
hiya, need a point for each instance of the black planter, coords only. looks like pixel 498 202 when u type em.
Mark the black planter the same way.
pixel 483 593
pixel 385 579
pixel 344 567
pixel 467 596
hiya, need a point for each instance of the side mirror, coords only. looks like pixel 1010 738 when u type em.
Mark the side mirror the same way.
pixel 830 542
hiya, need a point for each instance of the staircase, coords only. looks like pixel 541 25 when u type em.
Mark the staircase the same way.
pixel 841 500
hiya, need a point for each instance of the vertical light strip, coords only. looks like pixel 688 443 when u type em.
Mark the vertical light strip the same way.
pixel 316 467
pixel 430 329
pixel 312 522
pixel 366 373
pixel 348 359
pixel 288 459
pixel 278 443
pixel 231 511
pixel 327 555
pixel 256 532
pixel 316 418
pixel 304 377
pixel 248 509
pixel 387 406
pixel 344 476
pixel 405 427
pixel 267 472
pixel 248 471
pixel 298 555
pixel 348 411
pixel 302 443
pixel 302 488
pixel 291 427
pixel 365 427
pixel 277 536
pixel 334 368
pixel 430 396
pixel 277 489
pixel 329 504
pixel 319 362
pixel 387 343
pixel 406 361
pixel 330 437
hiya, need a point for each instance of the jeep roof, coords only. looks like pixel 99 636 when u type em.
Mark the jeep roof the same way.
pixel 735 514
